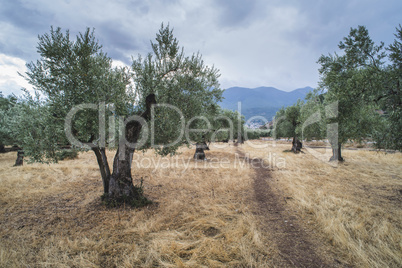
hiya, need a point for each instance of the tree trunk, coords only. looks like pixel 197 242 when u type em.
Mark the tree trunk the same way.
pixel 199 151
pixel 121 188
pixel 20 159
pixel 121 183
pixel 336 154
pixel 100 154
pixel 296 145
pixel 2 148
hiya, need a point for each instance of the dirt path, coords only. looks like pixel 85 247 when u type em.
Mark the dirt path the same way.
pixel 297 246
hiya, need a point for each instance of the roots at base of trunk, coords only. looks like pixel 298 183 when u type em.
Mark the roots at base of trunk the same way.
pixel 124 193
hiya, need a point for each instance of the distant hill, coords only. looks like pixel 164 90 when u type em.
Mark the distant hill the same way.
pixel 261 101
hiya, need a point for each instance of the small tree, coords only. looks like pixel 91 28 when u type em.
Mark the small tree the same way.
pixel 287 125
pixel 389 98
pixel 200 130
pixel 311 114
pixel 9 130
pixel 6 137
pixel 32 129
pixel 231 125
pixel 292 114
pixel 281 127
pixel 350 80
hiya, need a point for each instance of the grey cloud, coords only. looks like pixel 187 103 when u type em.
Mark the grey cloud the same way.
pixel 18 14
pixel 141 7
pixel 11 49
pixel 236 13
pixel 118 42
pixel 20 25
pixel 254 43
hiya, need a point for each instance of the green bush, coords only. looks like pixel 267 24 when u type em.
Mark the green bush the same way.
pixel 67 154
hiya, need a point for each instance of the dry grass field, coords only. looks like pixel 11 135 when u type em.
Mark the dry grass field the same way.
pixel 356 205
pixel 52 216
pixel 202 215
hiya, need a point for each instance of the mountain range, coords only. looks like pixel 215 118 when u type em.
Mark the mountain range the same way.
pixel 261 101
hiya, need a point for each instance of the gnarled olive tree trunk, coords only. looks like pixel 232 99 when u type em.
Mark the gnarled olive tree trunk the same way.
pixel 121 182
pixel 119 185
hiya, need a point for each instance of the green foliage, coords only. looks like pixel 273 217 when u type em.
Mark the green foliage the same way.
pixel 287 121
pixel 352 80
pixel 6 133
pixel 77 72
pixel 253 134
pixel 67 74
pixel 183 82
pixel 311 116
pixel 33 129
pixel 389 99
pixel 227 125
pixel 364 94
pixel 74 72
pixel 67 154
pixel 25 122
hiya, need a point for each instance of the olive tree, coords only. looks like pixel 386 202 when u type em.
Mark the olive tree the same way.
pixel 350 81
pixel 6 137
pixel 311 116
pixel 151 102
pixel 287 122
pixel 186 89
pixel 389 98
pixel 70 73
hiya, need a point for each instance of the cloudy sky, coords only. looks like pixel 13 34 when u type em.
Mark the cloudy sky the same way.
pixel 253 43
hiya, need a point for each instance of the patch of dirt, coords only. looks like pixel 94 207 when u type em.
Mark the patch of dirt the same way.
pixel 298 246
pixel 211 231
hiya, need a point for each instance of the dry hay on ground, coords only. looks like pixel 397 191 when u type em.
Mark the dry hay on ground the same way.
pixel 52 216
pixel 356 205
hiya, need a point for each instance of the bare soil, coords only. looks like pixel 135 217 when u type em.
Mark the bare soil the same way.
pixel 298 245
